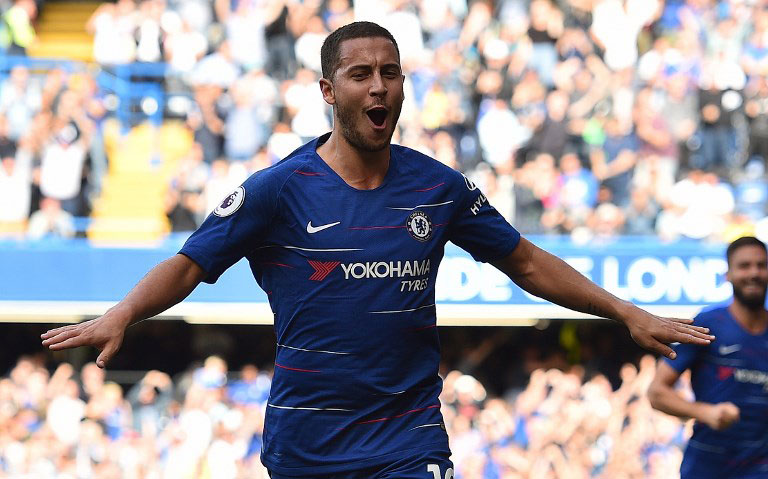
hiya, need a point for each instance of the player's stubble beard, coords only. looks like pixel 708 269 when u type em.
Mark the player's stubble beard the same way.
pixel 753 302
pixel 346 115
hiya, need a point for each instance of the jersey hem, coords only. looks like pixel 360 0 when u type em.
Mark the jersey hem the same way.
pixel 350 466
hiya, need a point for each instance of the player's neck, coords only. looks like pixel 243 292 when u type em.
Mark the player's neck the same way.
pixel 362 170
pixel 754 321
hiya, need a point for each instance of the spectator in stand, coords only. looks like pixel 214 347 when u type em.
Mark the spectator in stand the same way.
pixel 51 220
pixel 578 190
pixel 307 48
pixel 112 26
pixel 703 203
pixel 182 209
pixel 528 206
pixel 218 68
pixel 719 98
pixel 91 381
pixel 587 87
pixel 606 222
pixel 93 104
pixel 551 137
pixel 498 150
pixel 20 99
pixel 546 27
pixel 220 184
pixel 546 187
pixel 266 99
pixel 184 46
pixel 755 51
pixel 207 120
pixel 184 206
pixel 613 163
pixel 652 128
pixel 19 32
pixel 680 108
pixel 244 133
pixel 149 400
pixel 111 410
pixel 245 22
pixel 616 25
pixel 63 157
pixel 756 111
pixel 641 214
pixel 151 27
pixel 15 184
pixel 751 190
pixel 66 411
pixel 282 142
pixel 252 389
pixel 308 113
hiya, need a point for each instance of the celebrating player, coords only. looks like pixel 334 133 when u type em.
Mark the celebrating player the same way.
pixel 729 377
pixel 346 235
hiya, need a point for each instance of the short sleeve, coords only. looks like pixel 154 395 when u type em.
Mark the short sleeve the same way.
pixel 477 227
pixel 237 226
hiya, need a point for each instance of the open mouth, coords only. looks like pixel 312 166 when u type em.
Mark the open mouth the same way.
pixel 378 115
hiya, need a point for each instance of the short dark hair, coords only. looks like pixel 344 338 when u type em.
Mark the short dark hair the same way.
pixel 330 51
pixel 741 242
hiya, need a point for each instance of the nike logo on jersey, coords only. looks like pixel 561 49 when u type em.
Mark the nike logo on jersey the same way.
pixel 726 350
pixel 314 229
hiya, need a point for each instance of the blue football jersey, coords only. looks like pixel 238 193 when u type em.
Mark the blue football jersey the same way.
pixel 350 276
pixel 733 368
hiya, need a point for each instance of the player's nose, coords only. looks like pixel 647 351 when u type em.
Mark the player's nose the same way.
pixel 378 87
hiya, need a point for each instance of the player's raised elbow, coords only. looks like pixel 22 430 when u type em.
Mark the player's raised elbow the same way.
pixel 655 394
pixel 659 394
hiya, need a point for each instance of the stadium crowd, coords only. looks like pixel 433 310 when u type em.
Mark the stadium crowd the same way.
pixel 593 118
pixel 207 424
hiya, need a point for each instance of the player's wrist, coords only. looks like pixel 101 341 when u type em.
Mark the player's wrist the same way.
pixel 702 412
pixel 623 312
pixel 122 314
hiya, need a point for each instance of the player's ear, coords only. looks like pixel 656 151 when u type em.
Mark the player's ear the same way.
pixel 326 88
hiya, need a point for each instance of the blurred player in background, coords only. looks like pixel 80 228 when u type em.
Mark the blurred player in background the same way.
pixel 345 235
pixel 729 377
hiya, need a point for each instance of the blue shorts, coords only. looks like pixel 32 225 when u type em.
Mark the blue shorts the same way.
pixel 427 465
pixel 698 464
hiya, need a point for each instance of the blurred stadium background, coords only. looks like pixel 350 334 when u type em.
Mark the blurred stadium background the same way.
pixel 627 136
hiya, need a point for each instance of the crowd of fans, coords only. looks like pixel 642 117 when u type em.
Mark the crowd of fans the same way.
pixel 206 423
pixel 591 118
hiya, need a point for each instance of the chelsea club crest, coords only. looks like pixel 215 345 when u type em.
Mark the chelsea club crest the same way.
pixel 419 226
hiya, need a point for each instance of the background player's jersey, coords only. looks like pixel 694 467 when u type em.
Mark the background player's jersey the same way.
pixel 733 368
pixel 350 276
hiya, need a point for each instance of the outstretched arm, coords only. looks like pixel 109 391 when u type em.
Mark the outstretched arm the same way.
pixel 663 397
pixel 547 276
pixel 165 285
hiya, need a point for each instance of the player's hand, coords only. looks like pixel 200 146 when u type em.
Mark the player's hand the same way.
pixel 104 333
pixel 720 416
pixel 655 333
